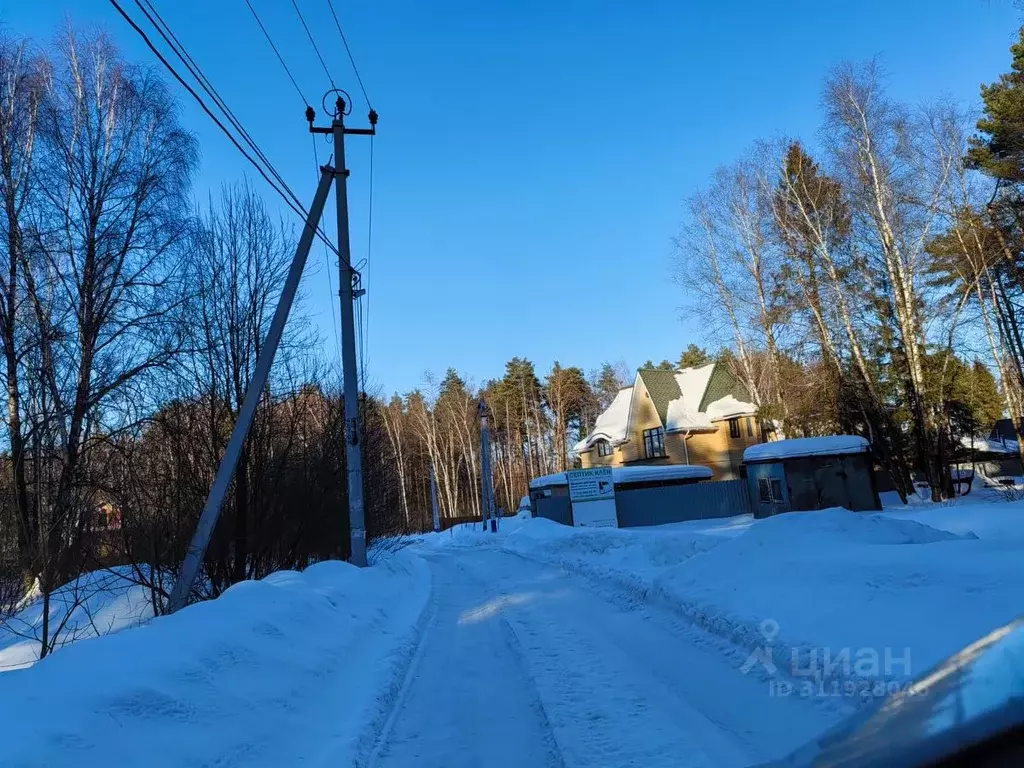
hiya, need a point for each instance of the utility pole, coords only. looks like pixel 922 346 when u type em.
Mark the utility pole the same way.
pixel 348 292
pixel 211 511
pixel 433 499
pixel 486 485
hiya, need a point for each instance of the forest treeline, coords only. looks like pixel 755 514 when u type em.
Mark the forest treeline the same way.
pixel 871 284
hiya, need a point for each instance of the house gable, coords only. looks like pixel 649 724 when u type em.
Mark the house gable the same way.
pixel 662 387
pixel 723 384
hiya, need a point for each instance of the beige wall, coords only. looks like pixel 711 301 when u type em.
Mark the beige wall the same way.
pixel 716 450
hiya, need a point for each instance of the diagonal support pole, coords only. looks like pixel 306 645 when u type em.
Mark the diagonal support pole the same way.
pixel 208 520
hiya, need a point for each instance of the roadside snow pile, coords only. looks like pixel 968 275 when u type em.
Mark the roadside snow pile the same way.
pixel 96 603
pixel 296 668
pixel 898 591
pixel 632 557
pixel 836 580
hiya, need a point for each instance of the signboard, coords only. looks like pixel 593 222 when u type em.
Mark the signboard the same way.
pixel 590 484
pixel 592 493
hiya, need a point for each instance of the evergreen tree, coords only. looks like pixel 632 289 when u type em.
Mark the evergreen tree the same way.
pixel 694 357
pixel 606 385
pixel 998 150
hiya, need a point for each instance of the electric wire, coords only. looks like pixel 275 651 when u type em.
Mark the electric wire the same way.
pixel 296 207
pixel 312 42
pixel 277 52
pixel 348 50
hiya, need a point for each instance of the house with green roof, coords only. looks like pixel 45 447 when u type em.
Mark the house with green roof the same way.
pixel 701 416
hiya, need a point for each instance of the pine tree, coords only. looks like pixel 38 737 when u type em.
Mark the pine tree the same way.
pixel 998 150
pixel 606 384
pixel 694 357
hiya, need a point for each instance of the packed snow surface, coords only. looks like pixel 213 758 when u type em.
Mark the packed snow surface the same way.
pixel 916 583
pixel 832 445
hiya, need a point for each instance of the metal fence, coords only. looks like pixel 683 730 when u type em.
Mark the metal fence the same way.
pixel 659 505
pixel 676 503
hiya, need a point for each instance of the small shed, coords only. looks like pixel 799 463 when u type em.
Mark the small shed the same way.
pixel 644 495
pixel 992 457
pixel 811 473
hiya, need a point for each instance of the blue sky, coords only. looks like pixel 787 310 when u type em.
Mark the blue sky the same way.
pixel 533 157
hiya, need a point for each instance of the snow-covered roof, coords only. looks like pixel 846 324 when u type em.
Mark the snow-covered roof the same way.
pixel 989 445
pixel 612 425
pixel 684 411
pixel 638 474
pixel 677 396
pixel 729 407
pixel 831 445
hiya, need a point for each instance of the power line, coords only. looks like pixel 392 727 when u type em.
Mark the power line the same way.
pixel 313 43
pixel 277 52
pixel 296 206
pixel 350 57
pixel 193 67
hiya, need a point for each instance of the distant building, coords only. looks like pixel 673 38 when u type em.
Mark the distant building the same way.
pixel 699 416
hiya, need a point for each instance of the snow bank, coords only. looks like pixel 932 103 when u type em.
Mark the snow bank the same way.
pixel 834 580
pixel 296 668
pixel 806 446
pixel 96 603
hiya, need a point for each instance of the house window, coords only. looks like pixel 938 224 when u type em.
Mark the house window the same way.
pixel 734 427
pixel 750 426
pixel 604 448
pixel 769 490
pixel 654 442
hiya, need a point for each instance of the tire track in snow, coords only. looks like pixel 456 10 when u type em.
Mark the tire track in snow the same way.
pixel 622 688
pixel 468 700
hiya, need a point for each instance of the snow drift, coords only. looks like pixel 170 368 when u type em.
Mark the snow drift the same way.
pixel 296 668
pixel 96 603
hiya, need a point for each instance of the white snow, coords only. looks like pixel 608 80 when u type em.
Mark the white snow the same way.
pixel 96 603
pixel 523 664
pixel 930 579
pixel 613 424
pixel 806 446
pixel 989 445
pixel 635 474
pixel 684 412
pixel 729 407
pixel 299 668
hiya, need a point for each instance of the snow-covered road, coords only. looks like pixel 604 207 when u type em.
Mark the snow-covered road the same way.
pixel 524 664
